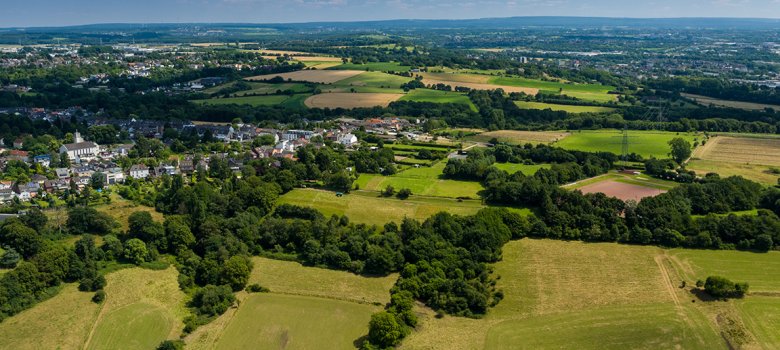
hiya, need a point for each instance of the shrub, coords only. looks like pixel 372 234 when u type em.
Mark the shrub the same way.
pixel 171 345
pixel 256 288
pixel 99 296
pixel 404 193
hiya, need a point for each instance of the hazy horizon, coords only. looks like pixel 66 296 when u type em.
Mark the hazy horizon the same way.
pixel 37 13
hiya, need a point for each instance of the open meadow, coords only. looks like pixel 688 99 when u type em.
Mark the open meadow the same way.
pixel 313 76
pixel 383 210
pixel 306 308
pixel 644 143
pixel 750 106
pixel 525 169
pixel 517 137
pixel 751 156
pixel 437 96
pixel 350 100
pixel 142 308
pixel 565 108
pixel 472 81
pixel 292 101
pixel 425 181
pixel 374 66
pixel 575 294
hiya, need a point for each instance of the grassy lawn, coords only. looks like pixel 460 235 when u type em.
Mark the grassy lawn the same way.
pixel 136 326
pixel 525 169
pixel 383 210
pixel 275 321
pixel 565 108
pixel 762 316
pixel 424 181
pixel 374 66
pixel 645 143
pixel 437 96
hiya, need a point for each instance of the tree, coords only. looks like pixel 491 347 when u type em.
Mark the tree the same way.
pixel 99 296
pixel 21 238
pixel 171 345
pixel 389 191
pixel 9 259
pixel 404 193
pixel 236 272
pixel 213 300
pixel 721 287
pixel 98 180
pixel 680 149
pixel 136 251
pixel 384 330
pixel 178 234
pixel 35 219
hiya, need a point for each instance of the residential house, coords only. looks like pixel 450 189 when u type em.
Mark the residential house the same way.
pixel 44 160
pixel 62 173
pixel 348 140
pixel 114 176
pixel 7 195
pixel 139 171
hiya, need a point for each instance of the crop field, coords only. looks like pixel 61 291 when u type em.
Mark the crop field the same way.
pixel 437 96
pixel 744 150
pixel 425 181
pixel 750 106
pixel 350 100
pixel 374 66
pixel 525 169
pixel 565 108
pixel 383 210
pixel 314 76
pixel 645 143
pixel 516 137
pixel 577 295
pixel 321 64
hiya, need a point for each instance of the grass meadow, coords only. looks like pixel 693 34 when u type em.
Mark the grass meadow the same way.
pixel 437 96
pixel 424 181
pixel 525 169
pixel 374 66
pixel 645 143
pixel 565 108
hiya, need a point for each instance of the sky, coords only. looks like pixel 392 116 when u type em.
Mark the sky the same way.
pixel 28 13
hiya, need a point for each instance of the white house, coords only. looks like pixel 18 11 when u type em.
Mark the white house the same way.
pixel 348 140
pixel 139 171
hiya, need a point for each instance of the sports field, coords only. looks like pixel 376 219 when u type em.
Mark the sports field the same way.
pixel 645 143
pixel 425 181
pixel 350 100
pixel 565 108
pixel 383 210
pixel 517 137
pixel 577 295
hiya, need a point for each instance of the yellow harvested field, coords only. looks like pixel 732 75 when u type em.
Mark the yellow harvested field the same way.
pixel 309 58
pixel 750 106
pixel 461 78
pixel 743 150
pixel 281 53
pixel 521 137
pixel 314 76
pixel 350 100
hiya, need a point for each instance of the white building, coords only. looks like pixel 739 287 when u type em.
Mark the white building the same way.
pixel 80 150
pixel 348 140
pixel 139 171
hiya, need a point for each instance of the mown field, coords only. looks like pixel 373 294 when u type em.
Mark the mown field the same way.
pixel 645 143
pixel 750 106
pixel 374 66
pixel 525 169
pixel 350 100
pixel 306 308
pixel 755 157
pixel 425 181
pixel 142 308
pixel 293 101
pixel 577 295
pixel 565 108
pixel 382 210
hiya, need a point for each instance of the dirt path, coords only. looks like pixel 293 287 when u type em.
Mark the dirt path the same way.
pixel 95 324
pixel 659 259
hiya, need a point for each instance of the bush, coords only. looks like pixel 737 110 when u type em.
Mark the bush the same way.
pixel 404 193
pixel 256 288
pixel 99 296
pixel 384 330
pixel 213 300
pixel 721 287
pixel 91 284
pixel 171 345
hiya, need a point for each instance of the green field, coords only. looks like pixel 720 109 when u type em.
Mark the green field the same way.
pixel 762 316
pixel 525 169
pixel 645 143
pixel 639 180
pixel 592 92
pixel 761 270
pixel 565 108
pixel 425 181
pixel 270 100
pixel 261 88
pixel 374 66
pixel 383 210
pixel 756 172
pixel 272 321
pixel 375 80
pixel 136 326
pixel 437 96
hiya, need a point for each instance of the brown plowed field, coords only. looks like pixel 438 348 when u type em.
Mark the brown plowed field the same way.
pixel 622 191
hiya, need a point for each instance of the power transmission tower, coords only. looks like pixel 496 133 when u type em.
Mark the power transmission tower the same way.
pixel 624 147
